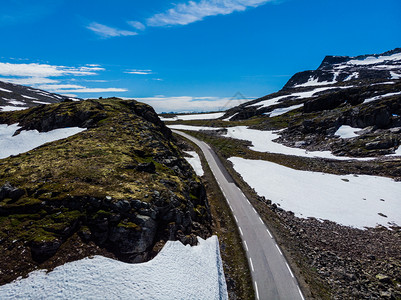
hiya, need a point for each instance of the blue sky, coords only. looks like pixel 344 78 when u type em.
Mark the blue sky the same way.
pixel 184 55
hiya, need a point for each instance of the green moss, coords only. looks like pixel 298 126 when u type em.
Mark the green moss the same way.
pixel 130 225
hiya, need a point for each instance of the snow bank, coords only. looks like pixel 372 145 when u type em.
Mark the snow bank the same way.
pixel 346 132
pixel 194 117
pixel 348 200
pixel 28 140
pixel 195 162
pixel 177 272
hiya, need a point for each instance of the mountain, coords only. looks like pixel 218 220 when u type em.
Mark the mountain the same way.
pixel 18 97
pixel 336 69
pixel 360 94
pixel 118 187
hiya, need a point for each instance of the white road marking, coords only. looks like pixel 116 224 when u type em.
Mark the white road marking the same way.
pixel 256 290
pixel 240 230
pixel 288 267
pixel 261 220
pixel 279 249
pixel 250 260
pixel 254 210
pixel 269 233
pixel 236 220
pixel 302 296
pixel 246 246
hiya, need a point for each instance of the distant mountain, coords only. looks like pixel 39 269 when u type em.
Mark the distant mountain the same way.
pixel 18 97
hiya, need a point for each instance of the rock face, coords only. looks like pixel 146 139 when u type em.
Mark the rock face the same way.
pixel 121 185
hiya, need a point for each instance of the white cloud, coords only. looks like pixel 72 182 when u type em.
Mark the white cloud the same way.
pixel 139 72
pixel 73 88
pixel 44 70
pixel 186 13
pixel 137 25
pixel 29 80
pixel 40 76
pixel 107 32
pixel 190 104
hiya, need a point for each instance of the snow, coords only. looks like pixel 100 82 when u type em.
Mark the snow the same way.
pixel 12 108
pixel 28 97
pixel 4 90
pixel 283 110
pixel 15 102
pixel 312 81
pixel 380 97
pixel 177 272
pixel 370 60
pixel 354 75
pixel 345 199
pixel 262 141
pixel 195 162
pixel 346 132
pixel 299 95
pixel 394 75
pixel 193 128
pixel 40 102
pixel 30 139
pixel 195 117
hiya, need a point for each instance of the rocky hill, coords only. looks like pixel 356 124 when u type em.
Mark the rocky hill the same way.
pixel 360 94
pixel 18 97
pixel 121 188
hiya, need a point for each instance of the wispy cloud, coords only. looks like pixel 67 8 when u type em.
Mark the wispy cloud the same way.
pixel 139 72
pixel 186 13
pixel 137 25
pixel 107 32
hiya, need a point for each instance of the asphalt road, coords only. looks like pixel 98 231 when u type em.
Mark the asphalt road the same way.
pixel 271 275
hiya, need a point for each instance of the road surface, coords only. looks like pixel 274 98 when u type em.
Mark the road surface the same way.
pixel 271 275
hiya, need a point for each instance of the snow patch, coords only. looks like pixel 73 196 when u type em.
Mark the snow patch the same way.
pixel 345 199
pixel 29 139
pixel 283 110
pixel 195 162
pixel 12 108
pixel 177 272
pixel 210 116
pixel 371 60
pixel 346 132
pixel 28 97
pixel 262 141
pixel 381 97
pixel 4 90
pixel 395 75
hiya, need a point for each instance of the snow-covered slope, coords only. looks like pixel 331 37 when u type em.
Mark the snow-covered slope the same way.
pixel 358 201
pixel 177 272
pixel 18 97
pixel 29 139
pixel 335 69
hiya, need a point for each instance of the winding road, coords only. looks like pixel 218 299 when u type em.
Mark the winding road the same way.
pixel 271 275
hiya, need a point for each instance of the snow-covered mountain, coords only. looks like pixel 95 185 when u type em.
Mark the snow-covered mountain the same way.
pixel 18 97
pixel 335 69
